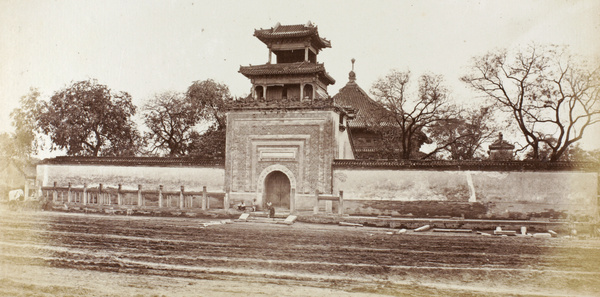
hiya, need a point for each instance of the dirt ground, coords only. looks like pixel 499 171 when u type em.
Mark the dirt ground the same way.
pixel 68 254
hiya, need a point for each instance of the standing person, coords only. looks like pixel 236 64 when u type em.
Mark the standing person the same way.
pixel 271 210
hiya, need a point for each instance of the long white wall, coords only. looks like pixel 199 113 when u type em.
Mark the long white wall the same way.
pixel 516 194
pixel 150 177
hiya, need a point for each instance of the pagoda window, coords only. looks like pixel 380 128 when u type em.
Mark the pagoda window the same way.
pixel 274 92
pixel 308 91
pixel 312 57
pixel 259 92
pixel 291 92
pixel 289 56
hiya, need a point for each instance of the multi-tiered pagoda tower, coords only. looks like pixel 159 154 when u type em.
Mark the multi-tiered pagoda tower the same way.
pixel 282 140
pixel 296 75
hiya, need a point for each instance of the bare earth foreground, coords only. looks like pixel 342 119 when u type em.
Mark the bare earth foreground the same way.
pixel 66 254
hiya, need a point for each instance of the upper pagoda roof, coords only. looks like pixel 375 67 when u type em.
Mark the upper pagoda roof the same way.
pixel 292 31
pixel 286 69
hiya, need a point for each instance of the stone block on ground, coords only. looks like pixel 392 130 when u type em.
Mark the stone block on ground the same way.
pixel 423 228
pixel 289 220
pixel 505 232
pixel 243 217
pixel 453 230
pixel 350 224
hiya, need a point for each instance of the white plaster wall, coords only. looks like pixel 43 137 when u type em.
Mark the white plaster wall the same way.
pixel 501 192
pixel 150 177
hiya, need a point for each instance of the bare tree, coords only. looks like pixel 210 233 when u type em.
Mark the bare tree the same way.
pixel 406 117
pixel 550 97
pixel 462 138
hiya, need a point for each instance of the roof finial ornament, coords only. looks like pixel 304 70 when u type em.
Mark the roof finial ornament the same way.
pixel 352 75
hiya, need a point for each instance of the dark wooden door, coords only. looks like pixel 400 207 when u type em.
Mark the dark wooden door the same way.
pixel 278 190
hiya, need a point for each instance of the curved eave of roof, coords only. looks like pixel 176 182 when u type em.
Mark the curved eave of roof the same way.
pixel 501 146
pixel 286 69
pixel 265 35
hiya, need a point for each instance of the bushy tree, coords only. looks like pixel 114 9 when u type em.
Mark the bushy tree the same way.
pixel 210 144
pixel 209 99
pixel 88 119
pixel 174 120
pixel 550 97
pixel 25 121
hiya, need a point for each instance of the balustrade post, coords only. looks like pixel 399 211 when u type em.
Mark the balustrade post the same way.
pixel 160 196
pixel 100 199
pixel 69 198
pixel 85 194
pixel 341 204
pixel 226 199
pixel 54 193
pixel 140 202
pixel 204 199
pixel 181 198
pixel 119 195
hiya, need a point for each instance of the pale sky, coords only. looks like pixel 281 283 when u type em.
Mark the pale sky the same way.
pixel 144 47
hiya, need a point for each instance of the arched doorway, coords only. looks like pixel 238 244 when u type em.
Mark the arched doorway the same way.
pixel 277 190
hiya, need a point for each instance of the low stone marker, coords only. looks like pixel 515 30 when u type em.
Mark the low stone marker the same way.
pixel 350 224
pixel 243 217
pixel 401 231
pixel 554 234
pixel 505 232
pixel 542 235
pixel 289 220
pixel 422 228
pixel 453 230
pixel 212 223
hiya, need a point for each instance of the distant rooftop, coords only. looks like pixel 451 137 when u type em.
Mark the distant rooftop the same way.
pixel 353 96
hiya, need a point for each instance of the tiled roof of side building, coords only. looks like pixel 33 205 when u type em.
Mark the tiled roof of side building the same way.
pixel 136 161
pixel 353 96
pixel 285 68
pixel 291 31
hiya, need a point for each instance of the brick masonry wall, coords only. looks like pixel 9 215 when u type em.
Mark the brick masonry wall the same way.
pixel 303 142
pixel 473 194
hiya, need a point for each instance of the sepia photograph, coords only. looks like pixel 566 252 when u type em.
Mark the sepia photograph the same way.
pixel 299 148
